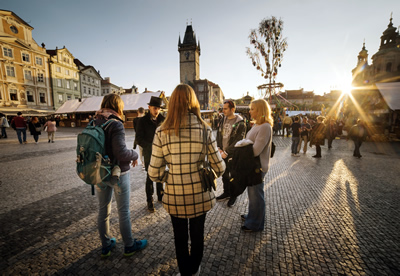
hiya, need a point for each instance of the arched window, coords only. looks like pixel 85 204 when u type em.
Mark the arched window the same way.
pixel 389 67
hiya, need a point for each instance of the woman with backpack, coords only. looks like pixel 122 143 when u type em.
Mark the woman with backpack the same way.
pixel 112 108
pixel 181 137
pixel 261 136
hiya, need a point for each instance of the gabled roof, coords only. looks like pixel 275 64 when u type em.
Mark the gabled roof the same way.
pixel 7 12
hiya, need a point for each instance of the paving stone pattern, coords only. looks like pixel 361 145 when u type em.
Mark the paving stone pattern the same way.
pixel 337 215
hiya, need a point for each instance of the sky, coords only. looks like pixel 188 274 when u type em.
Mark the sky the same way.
pixel 135 42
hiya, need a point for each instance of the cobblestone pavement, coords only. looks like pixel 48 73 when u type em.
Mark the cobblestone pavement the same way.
pixel 337 215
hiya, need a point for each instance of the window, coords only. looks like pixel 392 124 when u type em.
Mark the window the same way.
pixel 7 52
pixel 30 96
pixel 66 72
pixel 89 90
pixel 84 89
pixel 68 85
pixel 201 97
pixel 39 61
pixel 75 86
pixel 389 67
pixel 58 69
pixel 13 95
pixel 75 74
pixel 69 97
pixel 28 74
pixel 201 87
pixel 84 77
pixel 66 60
pixel 25 57
pixel 58 82
pixel 60 98
pixel 42 97
pixel 40 77
pixel 11 71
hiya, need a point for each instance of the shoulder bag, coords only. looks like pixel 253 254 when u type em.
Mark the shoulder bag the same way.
pixel 208 176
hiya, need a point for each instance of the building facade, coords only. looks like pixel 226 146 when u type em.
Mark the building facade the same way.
pixel 24 75
pixel 64 76
pixel 107 87
pixel 90 80
pixel 209 94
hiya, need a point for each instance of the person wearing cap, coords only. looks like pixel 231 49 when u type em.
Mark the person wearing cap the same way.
pixel 20 127
pixel 146 128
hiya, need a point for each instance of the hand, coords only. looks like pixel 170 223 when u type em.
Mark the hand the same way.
pixel 134 163
pixel 223 155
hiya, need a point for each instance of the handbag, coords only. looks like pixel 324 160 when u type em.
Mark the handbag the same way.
pixel 38 128
pixel 208 177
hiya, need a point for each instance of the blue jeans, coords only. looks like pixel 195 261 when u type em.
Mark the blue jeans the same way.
pixel 122 196
pixel 295 144
pixel 23 131
pixel 3 132
pixel 256 217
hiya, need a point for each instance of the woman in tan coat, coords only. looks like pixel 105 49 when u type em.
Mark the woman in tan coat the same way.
pixel 178 144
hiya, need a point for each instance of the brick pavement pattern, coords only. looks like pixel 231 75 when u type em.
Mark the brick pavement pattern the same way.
pixel 337 215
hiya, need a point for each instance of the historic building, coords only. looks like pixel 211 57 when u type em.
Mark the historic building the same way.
pixel 24 75
pixel 64 76
pixel 90 80
pixel 107 87
pixel 209 94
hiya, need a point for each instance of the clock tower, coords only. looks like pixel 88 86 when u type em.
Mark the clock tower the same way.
pixel 189 53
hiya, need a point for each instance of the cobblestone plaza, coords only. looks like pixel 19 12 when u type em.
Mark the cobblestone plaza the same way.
pixel 337 215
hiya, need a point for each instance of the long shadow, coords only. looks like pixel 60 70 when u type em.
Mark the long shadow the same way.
pixel 376 213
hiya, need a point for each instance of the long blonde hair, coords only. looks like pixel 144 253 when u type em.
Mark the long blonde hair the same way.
pixel 263 111
pixel 182 100
pixel 114 102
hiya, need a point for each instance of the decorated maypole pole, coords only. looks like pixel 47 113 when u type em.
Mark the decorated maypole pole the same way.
pixel 269 47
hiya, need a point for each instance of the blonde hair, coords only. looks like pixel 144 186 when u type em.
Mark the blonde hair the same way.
pixel 182 100
pixel 263 111
pixel 114 102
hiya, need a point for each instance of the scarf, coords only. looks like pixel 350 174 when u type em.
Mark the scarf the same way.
pixel 104 113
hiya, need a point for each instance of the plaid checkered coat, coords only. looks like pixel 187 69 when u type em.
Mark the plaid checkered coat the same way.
pixel 183 155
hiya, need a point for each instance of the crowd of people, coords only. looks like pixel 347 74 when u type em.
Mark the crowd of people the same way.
pixel 34 124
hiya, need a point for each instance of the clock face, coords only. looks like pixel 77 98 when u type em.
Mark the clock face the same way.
pixel 14 29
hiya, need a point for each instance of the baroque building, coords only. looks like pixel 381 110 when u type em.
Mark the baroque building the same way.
pixel 64 75
pixel 90 80
pixel 107 87
pixel 209 94
pixel 24 75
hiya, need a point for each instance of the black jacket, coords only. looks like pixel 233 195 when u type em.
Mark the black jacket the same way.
pixel 145 130
pixel 238 133
pixel 115 143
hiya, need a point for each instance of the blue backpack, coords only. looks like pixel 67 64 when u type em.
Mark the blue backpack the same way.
pixel 92 164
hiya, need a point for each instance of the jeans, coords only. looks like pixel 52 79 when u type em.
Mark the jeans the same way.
pixel 3 132
pixel 122 196
pixel 305 139
pixel 189 263
pixel 256 216
pixel 36 137
pixel 23 131
pixel 295 144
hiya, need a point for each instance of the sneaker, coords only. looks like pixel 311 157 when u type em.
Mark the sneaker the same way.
pixel 137 246
pixel 296 155
pixel 25 142
pixel 223 197
pixel 49 140
pixel 106 251
pixel 245 229
pixel 232 201
pixel 150 207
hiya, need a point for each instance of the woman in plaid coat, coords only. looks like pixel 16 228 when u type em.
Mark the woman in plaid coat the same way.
pixel 178 145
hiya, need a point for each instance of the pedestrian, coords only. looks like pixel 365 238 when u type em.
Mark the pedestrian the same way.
pixel 287 122
pixel 178 144
pixel 295 136
pixel 231 130
pixel 144 136
pixel 261 136
pixel 112 107
pixel 135 124
pixel 3 124
pixel 331 131
pixel 358 134
pixel 20 127
pixel 35 128
pixel 318 136
pixel 305 130
pixel 50 127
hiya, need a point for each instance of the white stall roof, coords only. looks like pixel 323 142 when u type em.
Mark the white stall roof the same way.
pixel 69 106
pixel 131 102
pixel 391 93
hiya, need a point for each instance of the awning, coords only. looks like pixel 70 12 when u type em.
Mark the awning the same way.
pixel 391 94
pixel 92 104
pixel 26 111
